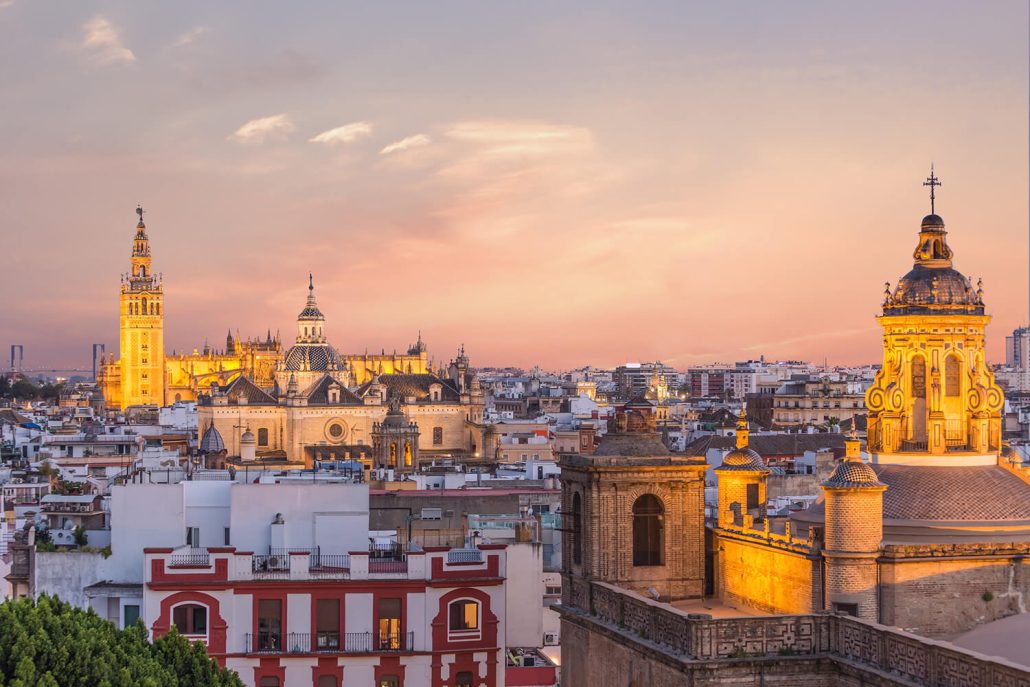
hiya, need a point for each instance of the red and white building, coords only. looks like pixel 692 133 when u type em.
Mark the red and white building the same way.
pixel 299 597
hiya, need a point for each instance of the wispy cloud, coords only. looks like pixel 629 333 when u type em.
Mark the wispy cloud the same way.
pixel 343 134
pixel 190 37
pixel 103 43
pixel 4 4
pixel 276 127
pixel 416 141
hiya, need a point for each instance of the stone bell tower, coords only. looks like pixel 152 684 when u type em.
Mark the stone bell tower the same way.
pixel 395 441
pixel 633 513
pixel 141 325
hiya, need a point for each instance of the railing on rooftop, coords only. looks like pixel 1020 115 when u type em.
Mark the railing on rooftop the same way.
pixel 193 558
pixel 328 564
pixel 273 566
pixel 464 556
pixel 328 642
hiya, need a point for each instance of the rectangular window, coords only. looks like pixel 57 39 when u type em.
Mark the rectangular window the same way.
pixel 463 679
pixel 130 614
pixel 437 436
pixel 190 619
pixel 846 609
pixel 463 619
pixel 270 624
pixel 389 622
pixel 752 496
pixel 193 537
pixel 552 591
pixel 269 681
pixel 389 681
pixel 226 537
pixel 327 624
pixel 432 513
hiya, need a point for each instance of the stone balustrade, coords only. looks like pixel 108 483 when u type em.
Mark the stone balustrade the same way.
pixel 893 656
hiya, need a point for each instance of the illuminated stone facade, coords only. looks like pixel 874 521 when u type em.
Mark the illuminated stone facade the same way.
pixel 935 393
pixel 634 513
pixel 934 511
pixel 144 374
pixel 137 377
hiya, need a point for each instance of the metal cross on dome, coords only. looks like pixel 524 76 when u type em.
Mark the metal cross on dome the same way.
pixel 932 181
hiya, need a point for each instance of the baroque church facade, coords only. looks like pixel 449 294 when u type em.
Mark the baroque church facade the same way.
pixel 927 531
pixel 308 402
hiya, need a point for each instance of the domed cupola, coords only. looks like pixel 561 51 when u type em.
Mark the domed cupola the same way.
pixel 933 286
pixel 742 458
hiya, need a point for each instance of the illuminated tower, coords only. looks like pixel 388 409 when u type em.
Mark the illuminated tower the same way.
pixel 742 482
pixel 854 530
pixel 142 327
pixel 934 401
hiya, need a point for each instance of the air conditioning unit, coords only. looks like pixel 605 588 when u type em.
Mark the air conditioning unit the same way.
pixel 278 562
pixel 550 639
pixel 529 661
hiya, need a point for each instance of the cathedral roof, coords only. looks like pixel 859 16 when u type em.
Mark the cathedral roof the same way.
pixel 316 357
pixel 211 442
pixel 242 387
pixel 318 392
pixel 405 386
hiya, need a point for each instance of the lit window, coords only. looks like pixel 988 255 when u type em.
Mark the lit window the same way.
pixel 463 619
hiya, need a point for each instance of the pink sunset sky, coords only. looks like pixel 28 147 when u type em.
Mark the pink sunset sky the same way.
pixel 548 183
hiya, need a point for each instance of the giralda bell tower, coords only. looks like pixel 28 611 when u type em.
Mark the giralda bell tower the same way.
pixel 142 327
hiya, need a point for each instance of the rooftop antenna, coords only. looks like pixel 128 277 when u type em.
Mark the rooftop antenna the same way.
pixel 932 181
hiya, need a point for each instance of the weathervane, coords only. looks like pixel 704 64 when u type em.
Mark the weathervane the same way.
pixel 932 181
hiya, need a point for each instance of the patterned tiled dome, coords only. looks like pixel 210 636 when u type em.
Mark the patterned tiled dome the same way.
pixel 853 474
pixel 315 357
pixel 742 459
pixel 211 442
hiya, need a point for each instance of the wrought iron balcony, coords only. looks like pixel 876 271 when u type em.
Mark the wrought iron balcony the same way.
pixel 328 642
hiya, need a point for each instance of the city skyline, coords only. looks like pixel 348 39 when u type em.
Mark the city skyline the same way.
pixel 551 201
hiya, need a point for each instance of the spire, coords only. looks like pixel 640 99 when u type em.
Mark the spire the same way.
pixel 139 211
pixel 932 181
pixel 742 428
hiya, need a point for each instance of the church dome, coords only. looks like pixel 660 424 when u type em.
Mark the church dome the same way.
pixel 211 442
pixel 742 459
pixel 933 286
pixel 248 438
pixel 853 474
pixel 312 357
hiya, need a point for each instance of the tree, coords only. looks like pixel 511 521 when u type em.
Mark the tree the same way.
pixel 49 643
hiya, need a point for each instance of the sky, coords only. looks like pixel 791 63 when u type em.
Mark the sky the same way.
pixel 562 184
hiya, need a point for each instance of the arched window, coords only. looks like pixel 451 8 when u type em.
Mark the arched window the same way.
pixel 142 270
pixel 577 529
pixel 952 376
pixel 919 377
pixel 190 619
pixel 262 437
pixel 463 619
pixel 393 454
pixel 157 309
pixel 144 306
pixel 464 679
pixel 648 535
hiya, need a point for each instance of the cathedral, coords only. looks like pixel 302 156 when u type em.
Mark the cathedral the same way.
pixel 305 403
